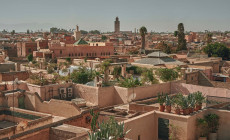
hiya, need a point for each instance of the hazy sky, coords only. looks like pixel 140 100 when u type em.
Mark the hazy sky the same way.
pixel 156 15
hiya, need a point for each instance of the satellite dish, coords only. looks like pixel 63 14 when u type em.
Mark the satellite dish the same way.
pixel 131 97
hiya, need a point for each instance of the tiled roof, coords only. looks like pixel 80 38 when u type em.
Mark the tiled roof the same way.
pixel 158 61
pixel 80 42
pixel 158 54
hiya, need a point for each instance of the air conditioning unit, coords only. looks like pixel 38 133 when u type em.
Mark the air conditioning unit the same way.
pixel 70 90
pixel 62 90
pixel 70 95
pixel 63 96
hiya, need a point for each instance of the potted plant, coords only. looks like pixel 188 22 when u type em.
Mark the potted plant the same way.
pixel 121 131
pixel 184 105
pixel 191 102
pixel 176 101
pixel 213 125
pixel 199 99
pixel 203 128
pixel 161 101
pixel 168 103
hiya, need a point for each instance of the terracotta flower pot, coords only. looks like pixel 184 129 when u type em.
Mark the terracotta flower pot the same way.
pixel 168 109
pixel 212 136
pixel 198 107
pixel 177 111
pixel 162 108
pixel 186 111
pixel 191 110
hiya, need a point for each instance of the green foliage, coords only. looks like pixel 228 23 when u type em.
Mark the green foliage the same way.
pixel 166 74
pixel 28 31
pixel 82 75
pixel 116 71
pixel 217 49
pixel 199 98
pixel 147 76
pixel 191 100
pixel 203 127
pixel 13 32
pixel 161 98
pixel 110 129
pixel 68 59
pixel 168 101
pixel 130 82
pixel 181 38
pixel 176 100
pixel 103 38
pixel 30 57
pixel 83 32
pixel 94 32
pixel 208 38
pixel 175 33
pixel 213 122
pixel 184 102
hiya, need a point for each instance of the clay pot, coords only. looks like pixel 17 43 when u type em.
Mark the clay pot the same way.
pixel 198 107
pixel 186 111
pixel 191 110
pixel 162 108
pixel 212 136
pixel 177 111
pixel 121 138
pixel 168 109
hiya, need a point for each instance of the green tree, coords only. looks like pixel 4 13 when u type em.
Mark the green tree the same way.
pixel 175 33
pixel 13 32
pixel 28 31
pixel 143 32
pixel 103 38
pixel 82 75
pixel 68 59
pixel 83 32
pixel 94 32
pixel 217 49
pixel 166 74
pixel 181 38
pixel 208 38
pixel 30 57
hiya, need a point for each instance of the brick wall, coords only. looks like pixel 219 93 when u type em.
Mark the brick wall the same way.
pixel 8 76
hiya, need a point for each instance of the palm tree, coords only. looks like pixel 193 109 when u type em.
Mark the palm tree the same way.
pixel 143 32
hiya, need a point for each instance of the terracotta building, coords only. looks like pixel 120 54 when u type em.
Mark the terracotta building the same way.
pixel 81 48
pixel 26 48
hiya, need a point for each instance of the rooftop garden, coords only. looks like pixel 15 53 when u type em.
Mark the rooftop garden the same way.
pixel 182 104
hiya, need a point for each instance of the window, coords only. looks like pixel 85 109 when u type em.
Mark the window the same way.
pixel 29 50
pixel 139 137
pixel 60 51
pixel 87 54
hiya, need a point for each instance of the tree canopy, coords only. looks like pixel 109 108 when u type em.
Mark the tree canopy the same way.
pixel 30 57
pixel 217 50
pixel 166 74
pixel 181 38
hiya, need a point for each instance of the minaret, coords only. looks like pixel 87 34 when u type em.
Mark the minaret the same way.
pixel 117 25
pixel 77 33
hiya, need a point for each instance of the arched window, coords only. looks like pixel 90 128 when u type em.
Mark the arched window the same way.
pixel 60 51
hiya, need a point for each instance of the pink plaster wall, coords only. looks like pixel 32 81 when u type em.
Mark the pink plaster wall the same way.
pixel 211 91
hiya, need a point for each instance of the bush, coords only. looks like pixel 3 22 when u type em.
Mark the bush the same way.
pixel 166 74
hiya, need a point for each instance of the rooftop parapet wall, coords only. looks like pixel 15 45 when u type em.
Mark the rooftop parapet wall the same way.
pixel 188 88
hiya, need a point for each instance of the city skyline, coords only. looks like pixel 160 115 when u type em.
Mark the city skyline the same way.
pixel 159 16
